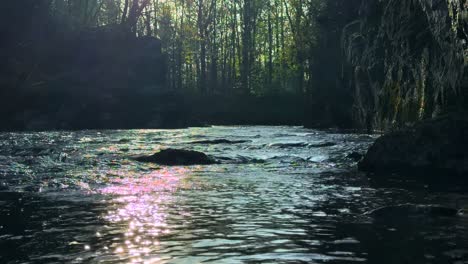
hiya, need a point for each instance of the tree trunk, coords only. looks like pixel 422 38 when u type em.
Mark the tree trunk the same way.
pixel 124 13
pixel 245 47
pixel 202 43
pixel 214 51
pixel 270 49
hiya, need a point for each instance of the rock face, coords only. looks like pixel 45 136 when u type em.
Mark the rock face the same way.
pixel 407 60
pixel 383 64
pixel 175 157
pixel 437 148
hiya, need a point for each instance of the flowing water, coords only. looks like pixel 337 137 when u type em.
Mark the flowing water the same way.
pixel 280 195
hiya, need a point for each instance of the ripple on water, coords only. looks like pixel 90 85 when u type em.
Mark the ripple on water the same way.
pixel 78 197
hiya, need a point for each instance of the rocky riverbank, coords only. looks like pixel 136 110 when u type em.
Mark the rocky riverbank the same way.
pixel 433 149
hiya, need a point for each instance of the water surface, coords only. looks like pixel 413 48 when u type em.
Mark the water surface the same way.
pixel 280 195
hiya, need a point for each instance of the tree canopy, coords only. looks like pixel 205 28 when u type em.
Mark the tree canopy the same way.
pixel 215 46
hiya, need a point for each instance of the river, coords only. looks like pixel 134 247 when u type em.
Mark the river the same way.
pixel 280 195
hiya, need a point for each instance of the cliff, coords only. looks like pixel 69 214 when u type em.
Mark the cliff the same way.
pixel 406 60
pixel 406 65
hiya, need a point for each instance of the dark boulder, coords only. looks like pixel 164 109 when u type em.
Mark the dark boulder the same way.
pixel 175 157
pixel 432 149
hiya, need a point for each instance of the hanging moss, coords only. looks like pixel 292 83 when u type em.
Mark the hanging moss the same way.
pixel 415 54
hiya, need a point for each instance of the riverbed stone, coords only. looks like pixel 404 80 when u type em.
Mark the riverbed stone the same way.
pixel 323 145
pixel 220 141
pixel 431 149
pixel 175 157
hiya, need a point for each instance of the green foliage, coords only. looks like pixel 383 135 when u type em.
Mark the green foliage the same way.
pixel 210 42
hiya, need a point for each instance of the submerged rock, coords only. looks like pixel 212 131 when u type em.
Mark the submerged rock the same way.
pixel 174 157
pixel 323 145
pixel 220 141
pixel 415 210
pixel 436 148
pixel 239 159
pixel 288 145
pixel 124 140
pixel 4 186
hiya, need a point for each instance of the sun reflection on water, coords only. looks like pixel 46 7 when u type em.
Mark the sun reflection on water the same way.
pixel 162 180
pixel 140 210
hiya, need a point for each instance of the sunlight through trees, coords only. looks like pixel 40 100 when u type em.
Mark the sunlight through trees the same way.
pixel 216 46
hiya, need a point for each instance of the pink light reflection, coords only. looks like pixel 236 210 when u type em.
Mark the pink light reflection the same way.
pixel 167 179
pixel 141 209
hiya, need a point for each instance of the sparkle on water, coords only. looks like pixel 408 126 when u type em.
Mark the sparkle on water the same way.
pixel 280 195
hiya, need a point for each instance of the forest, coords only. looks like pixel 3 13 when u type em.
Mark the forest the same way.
pixel 209 48
pixel 252 47
pixel 351 61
